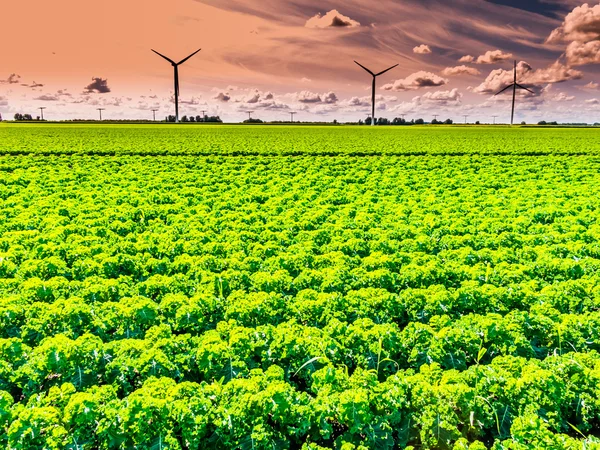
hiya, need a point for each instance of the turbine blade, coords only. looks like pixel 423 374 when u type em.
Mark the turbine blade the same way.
pixel 364 68
pixel 185 59
pixel 163 56
pixel 507 87
pixel 523 87
pixel 386 70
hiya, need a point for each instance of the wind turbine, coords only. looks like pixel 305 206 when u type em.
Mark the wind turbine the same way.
pixel 42 108
pixel 100 111
pixel 176 76
pixel 514 86
pixel 375 75
pixel 154 114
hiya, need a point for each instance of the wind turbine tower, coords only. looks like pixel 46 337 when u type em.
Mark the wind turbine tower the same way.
pixel 375 75
pixel 154 114
pixel 100 111
pixel 514 87
pixel 42 108
pixel 292 114
pixel 176 78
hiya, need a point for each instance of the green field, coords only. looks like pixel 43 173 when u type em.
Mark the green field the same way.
pixel 222 287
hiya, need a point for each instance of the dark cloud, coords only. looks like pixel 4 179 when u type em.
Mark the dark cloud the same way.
pixel 32 85
pixel 223 97
pixel 98 86
pixel 47 98
pixel 13 78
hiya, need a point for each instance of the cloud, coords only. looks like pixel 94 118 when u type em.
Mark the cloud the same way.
pixel 493 56
pixel 581 30
pixel 422 49
pixel 33 85
pixel 3 101
pixel 460 70
pixel 581 53
pixel 444 98
pixel 191 101
pixel 562 97
pixel 467 59
pixel 315 98
pixel 592 85
pixel 98 86
pixel 13 78
pixel 47 98
pixel 333 19
pixel 305 80
pixel 359 103
pixel 582 24
pixel 265 105
pixel 500 78
pixel 223 97
pixel 415 81
pixel 593 101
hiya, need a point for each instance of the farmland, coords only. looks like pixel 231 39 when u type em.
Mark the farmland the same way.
pixel 299 287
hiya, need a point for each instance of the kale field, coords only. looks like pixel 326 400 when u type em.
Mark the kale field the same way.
pixel 244 287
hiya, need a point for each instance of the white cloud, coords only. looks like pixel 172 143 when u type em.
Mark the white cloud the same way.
pixel 415 81
pixel 333 19
pixel 580 53
pixel 453 97
pixel 422 49
pixel 500 78
pixel 581 29
pixel 309 97
pixel 593 101
pixel 460 70
pixel 467 59
pixel 582 24
pixel 493 56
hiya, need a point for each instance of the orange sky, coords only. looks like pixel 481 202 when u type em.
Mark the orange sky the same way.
pixel 270 49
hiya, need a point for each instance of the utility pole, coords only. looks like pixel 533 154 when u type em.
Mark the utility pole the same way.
pixel 154 114
pixel 435 116
pixel 249 114
pixel 402 115
pixel 100 111
pixel 292 114
pixel 465 116
pixel 494 119
pixel 42 108
pixel 203 115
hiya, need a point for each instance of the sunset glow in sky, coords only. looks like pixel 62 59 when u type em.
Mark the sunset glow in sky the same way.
pixel 277 56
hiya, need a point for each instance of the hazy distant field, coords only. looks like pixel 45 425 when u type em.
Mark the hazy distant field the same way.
pixel 445 295
pixel 293 140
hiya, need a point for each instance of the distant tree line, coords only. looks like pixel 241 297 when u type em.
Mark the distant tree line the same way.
pixel 20 117
pixel 201 119
pixel 401 121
